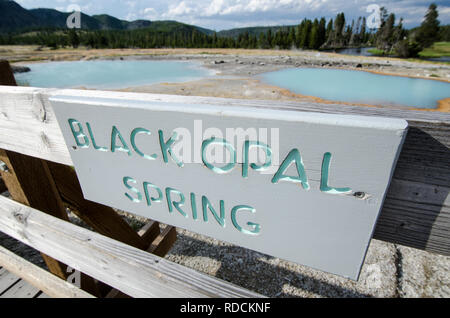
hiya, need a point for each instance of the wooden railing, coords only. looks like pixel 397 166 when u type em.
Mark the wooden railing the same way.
pixel 134 272
pixel 116 261
pixel 416 211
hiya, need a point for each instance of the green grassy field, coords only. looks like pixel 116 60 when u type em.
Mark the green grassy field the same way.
pixel 376 52
pixel 437 50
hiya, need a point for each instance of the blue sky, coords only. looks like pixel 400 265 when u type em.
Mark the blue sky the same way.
pixel 226 14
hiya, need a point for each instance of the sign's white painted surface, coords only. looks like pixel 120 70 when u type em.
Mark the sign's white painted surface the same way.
pixel 313 197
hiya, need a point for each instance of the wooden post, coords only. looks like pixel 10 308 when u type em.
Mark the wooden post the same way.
pixel 6 75
pixel 164 242
pixel 30 182
pixel 3 187
pixel 44 185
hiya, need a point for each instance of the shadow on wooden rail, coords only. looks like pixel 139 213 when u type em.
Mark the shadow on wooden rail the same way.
pixel 416 211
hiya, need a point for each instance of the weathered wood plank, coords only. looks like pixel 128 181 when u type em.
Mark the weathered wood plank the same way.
pixel 29 126
pixel 30 182
pixel 164 241
pixel 7 279
pixel 149 232
pixel 128 269
pixel 416 211
pixel 51 285
pixel 21 290
pixel 159 244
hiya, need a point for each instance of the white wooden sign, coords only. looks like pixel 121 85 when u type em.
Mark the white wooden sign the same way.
pixel 305 187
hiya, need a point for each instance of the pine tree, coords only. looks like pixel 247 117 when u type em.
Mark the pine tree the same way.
pixel 314 36
pixel 429 29
pixel 291 38
pixel 322 32
pixel 386 31
pixel 74 40
pixel 269 38
pixel 329 29
pixel 305 35
pixel 362 32
pixel 338 32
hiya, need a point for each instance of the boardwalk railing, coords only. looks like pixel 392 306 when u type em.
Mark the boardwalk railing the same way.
pixel 134 272
pixel 416 211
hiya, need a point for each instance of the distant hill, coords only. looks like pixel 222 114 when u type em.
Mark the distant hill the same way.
pixel 108 22
pixel 14 18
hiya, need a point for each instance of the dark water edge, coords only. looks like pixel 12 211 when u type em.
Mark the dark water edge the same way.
pixel 437 59
pixel 364 51
pixel 357 51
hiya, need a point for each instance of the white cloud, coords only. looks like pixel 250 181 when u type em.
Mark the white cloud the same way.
pixel 179 10
pixel 222 14
pixel 149 13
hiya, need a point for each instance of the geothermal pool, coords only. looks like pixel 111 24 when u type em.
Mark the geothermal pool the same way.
pixel 360 87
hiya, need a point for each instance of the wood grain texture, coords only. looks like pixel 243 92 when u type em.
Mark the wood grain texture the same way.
pixel 128 269
pixel 419 220
pixel 21 289
pixel 164 241
pixel 416 211
pixel 38 277
pixel 149 232
pixel 30 182
pixel 7 279
pixel 159 244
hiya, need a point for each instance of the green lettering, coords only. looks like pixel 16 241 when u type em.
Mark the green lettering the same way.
pixel 177 204
pixel 292 157
pixel 247 145
pixel 166 148
pixel 228 167
pixel 133 143
pixel 256 227
pixel 139 195
pixel 193 206
pixel 96 147
pixel 77 134
pixel 325 175
pixel 116 133
pixel 147 195
pixel 207 205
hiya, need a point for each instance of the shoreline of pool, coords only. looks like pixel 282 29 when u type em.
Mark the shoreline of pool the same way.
pixel 244 67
